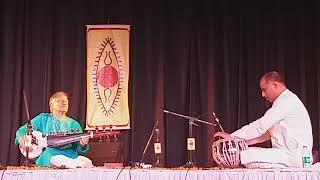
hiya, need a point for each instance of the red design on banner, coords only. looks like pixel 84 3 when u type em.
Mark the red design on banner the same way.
pixel 108 76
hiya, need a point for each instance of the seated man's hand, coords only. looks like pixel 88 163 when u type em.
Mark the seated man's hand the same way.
pixel 23 143
pixel 224 135
pixel 84 141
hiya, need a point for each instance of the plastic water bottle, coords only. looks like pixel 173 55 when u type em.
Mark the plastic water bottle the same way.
pixel 306 159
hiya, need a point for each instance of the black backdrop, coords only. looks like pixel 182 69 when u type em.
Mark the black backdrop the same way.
pixel 190 57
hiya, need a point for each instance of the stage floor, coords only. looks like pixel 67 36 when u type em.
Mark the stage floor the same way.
pixel 101 173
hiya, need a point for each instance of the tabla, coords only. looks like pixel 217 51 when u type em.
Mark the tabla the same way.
pixel 226 152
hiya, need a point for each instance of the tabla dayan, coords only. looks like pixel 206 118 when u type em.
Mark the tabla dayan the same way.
pixel 226 152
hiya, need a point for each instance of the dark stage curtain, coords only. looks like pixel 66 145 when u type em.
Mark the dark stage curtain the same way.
pixel 190 57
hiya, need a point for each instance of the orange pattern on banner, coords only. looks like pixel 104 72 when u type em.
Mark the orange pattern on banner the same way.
pixel 107 76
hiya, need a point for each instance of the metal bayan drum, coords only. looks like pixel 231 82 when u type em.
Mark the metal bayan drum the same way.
pixel 226 152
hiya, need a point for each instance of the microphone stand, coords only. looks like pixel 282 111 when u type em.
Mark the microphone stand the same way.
pixel 157 148
pixel 140 164
pixel 191 139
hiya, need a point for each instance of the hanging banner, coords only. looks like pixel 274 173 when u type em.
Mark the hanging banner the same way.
pixel 107 77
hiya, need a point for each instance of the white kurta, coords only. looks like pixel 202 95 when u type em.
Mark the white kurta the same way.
pixel 289 125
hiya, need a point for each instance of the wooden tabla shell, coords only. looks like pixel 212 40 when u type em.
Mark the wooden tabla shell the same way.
pixel 226 152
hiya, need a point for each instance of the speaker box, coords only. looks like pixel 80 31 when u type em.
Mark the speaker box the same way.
pixel 105 152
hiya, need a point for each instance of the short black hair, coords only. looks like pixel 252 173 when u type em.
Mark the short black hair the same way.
pixel 273 76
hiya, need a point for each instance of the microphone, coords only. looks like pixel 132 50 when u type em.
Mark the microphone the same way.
pixel 217 121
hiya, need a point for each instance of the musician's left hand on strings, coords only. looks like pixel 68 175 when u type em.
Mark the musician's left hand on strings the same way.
pixel 84 141
pixel 23 144
pixel 224 135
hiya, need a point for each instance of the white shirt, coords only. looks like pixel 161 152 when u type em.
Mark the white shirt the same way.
pixel 287 121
